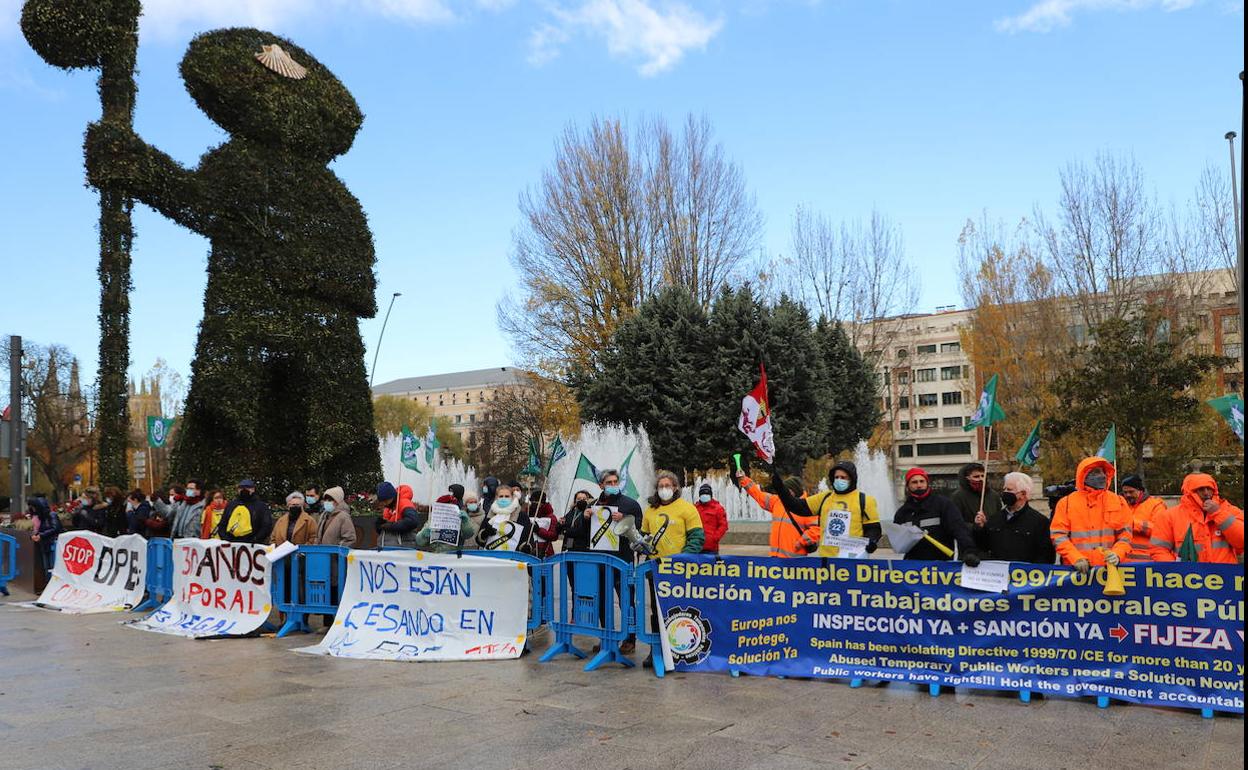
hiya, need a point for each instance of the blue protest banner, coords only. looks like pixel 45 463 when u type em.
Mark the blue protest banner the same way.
pixel 1176 638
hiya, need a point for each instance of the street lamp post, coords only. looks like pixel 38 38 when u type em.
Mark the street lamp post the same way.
pixel 1230 139
pixel 373 372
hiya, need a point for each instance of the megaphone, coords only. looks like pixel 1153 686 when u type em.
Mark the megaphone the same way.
pixel 638 541
pixel 1113 580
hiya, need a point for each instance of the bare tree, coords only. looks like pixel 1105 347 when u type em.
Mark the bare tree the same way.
pixel 1107 234
pixel 536 409
pixel 58 411
pixel 1214 218
pixel 824 261
pixel 616 217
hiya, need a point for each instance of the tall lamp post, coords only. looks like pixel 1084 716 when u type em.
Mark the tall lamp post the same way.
pixel 373 372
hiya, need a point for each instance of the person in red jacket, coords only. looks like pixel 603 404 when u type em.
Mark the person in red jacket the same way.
pixel 1216 526
pixel 714 518
pixel 545 524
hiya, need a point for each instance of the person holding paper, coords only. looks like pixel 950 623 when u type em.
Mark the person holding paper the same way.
pixel 622 505
pixel 576 523
pixel 545 524
pixel 508 526
pixel 938 518
pixel 295 525
pixel 843 511
pixel 1015 532
pixel 425 540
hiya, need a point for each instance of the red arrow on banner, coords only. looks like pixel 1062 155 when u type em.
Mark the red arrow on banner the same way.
pixel 1118 632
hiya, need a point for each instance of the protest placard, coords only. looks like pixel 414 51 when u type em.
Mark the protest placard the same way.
pixel 219 589
pixel 94 573
pixel 444 524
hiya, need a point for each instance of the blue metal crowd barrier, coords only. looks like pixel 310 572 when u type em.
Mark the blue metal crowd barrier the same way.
pixel 540 600
pixel 159 579
pixel 641 594
pixel 8 561
pixel 309 581
pixel 582 603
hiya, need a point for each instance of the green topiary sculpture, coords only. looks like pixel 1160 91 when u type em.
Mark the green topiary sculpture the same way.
pixel 278 388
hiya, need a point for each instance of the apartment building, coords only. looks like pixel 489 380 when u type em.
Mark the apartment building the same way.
pixel 457 399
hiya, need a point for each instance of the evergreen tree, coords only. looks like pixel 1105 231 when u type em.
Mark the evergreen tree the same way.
pixel 848 411
pixel 652 375
pixel 795 379
pixel 738 329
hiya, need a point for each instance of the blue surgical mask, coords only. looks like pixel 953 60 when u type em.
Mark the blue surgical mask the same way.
pixel 473 507
pixel 611 491
pixel 503 503
pixel 328 506
pixel 841 485
pixel 704 498
pixel 309 499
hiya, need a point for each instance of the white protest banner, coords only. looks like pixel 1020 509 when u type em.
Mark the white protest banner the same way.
pixel 219 589
pixel 993 576
pixel 601 538
pixel 412 605
pixel 444 524
pixel 507 536
pixel 94 573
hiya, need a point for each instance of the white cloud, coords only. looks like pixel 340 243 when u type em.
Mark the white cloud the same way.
pixel 1048 15
pixel 632 29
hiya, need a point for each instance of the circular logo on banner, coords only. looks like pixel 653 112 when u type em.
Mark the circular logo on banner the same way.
pixel 78 555
pixel 837 526
pixel 158 432
pixel 688 634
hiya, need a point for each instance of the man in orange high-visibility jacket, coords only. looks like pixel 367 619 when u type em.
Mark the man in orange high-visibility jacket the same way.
pixel 1217 527
pixel 1145 511
pixel 1092 526
pixel 787 541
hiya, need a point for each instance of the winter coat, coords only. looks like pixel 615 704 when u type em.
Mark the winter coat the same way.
pixel 210 520
pixel 714 524
pixel 184 516
pixel 575 530
pixel 967 499
pixel 246 521
pixel 1218 536
pixel 88 518
pixel 136 518
pixel 628 507
pixel 336 528
pixel 49 522
pixel 1019 536
pixel 304 532
pixel 826 507
pixel 1089 520
pixel 939 519
pixel 1144 516
pixel 785 540
pixel 113 519
pixel 466 531
pixel 399 525
pixel 496 521
pixel 679 523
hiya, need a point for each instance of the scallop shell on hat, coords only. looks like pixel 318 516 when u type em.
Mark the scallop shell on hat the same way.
pixel 276 59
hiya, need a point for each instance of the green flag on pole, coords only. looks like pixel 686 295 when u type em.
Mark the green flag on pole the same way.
pixel 431 443
pixel 158 431
pixel 1232 410
pixel 1029 453
pixel 988 411
pixel 630 489
pixel 585 470
pixel 1109 447
pixel 408 454
pixel 534 465
pixel 555 453
pixel 1187 551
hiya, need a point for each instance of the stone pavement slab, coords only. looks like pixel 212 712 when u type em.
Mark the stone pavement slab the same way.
pixel 84 693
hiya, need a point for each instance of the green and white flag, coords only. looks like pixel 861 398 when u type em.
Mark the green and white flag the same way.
pixel 1232 410
pixel 988 410
pixel 585 470
pixel 158 431
pixel 630 489
pixel 408 453
pixel 1029 453
pixel 431 443
pixel 555 453
pixel 1109 447
pixel 534 465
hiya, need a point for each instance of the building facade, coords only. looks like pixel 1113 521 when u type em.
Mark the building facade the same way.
pixel 459 399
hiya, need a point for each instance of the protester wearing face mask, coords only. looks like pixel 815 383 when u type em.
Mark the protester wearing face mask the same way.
pixel 1091 526
pixel 971 485
pixel 472 507
pixel 670 520
pixel 939 519
pixel 506 519
pixel 489 489
pixel 1203 527
pixel 333 519
pixel 1016 532
pixel 247 518
pixel 296 525
pixel 613 495
pixel 849 511
pixel 576 524
pixel 89 513
pixel 186 522
pixel 311 498
pixel 137 512
pixel 714 518
pixel 114 521
pixel 214 511
pixel 173 509
pixel 1146 510
pixel 545 523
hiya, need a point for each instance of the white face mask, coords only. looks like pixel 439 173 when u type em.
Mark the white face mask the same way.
pixel 666 493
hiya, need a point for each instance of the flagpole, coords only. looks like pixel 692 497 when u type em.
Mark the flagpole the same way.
pixel 987 452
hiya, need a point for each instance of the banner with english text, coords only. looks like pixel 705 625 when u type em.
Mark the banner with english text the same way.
pixel 414 606
pixel 94 573
pixel 219 589
pixel 1176 638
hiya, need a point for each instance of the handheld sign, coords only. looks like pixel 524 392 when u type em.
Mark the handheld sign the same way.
pixel 444 524
pixel 508 537
pixel 601 538
pixel 992 576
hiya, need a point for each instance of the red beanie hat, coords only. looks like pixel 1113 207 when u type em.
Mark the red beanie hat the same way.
pixel 448 499
pixel 917 472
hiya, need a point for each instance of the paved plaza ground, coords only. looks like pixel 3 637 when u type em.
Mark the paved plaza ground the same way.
pixel 83 692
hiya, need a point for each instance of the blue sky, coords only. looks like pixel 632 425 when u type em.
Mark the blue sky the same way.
pixel 930 111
